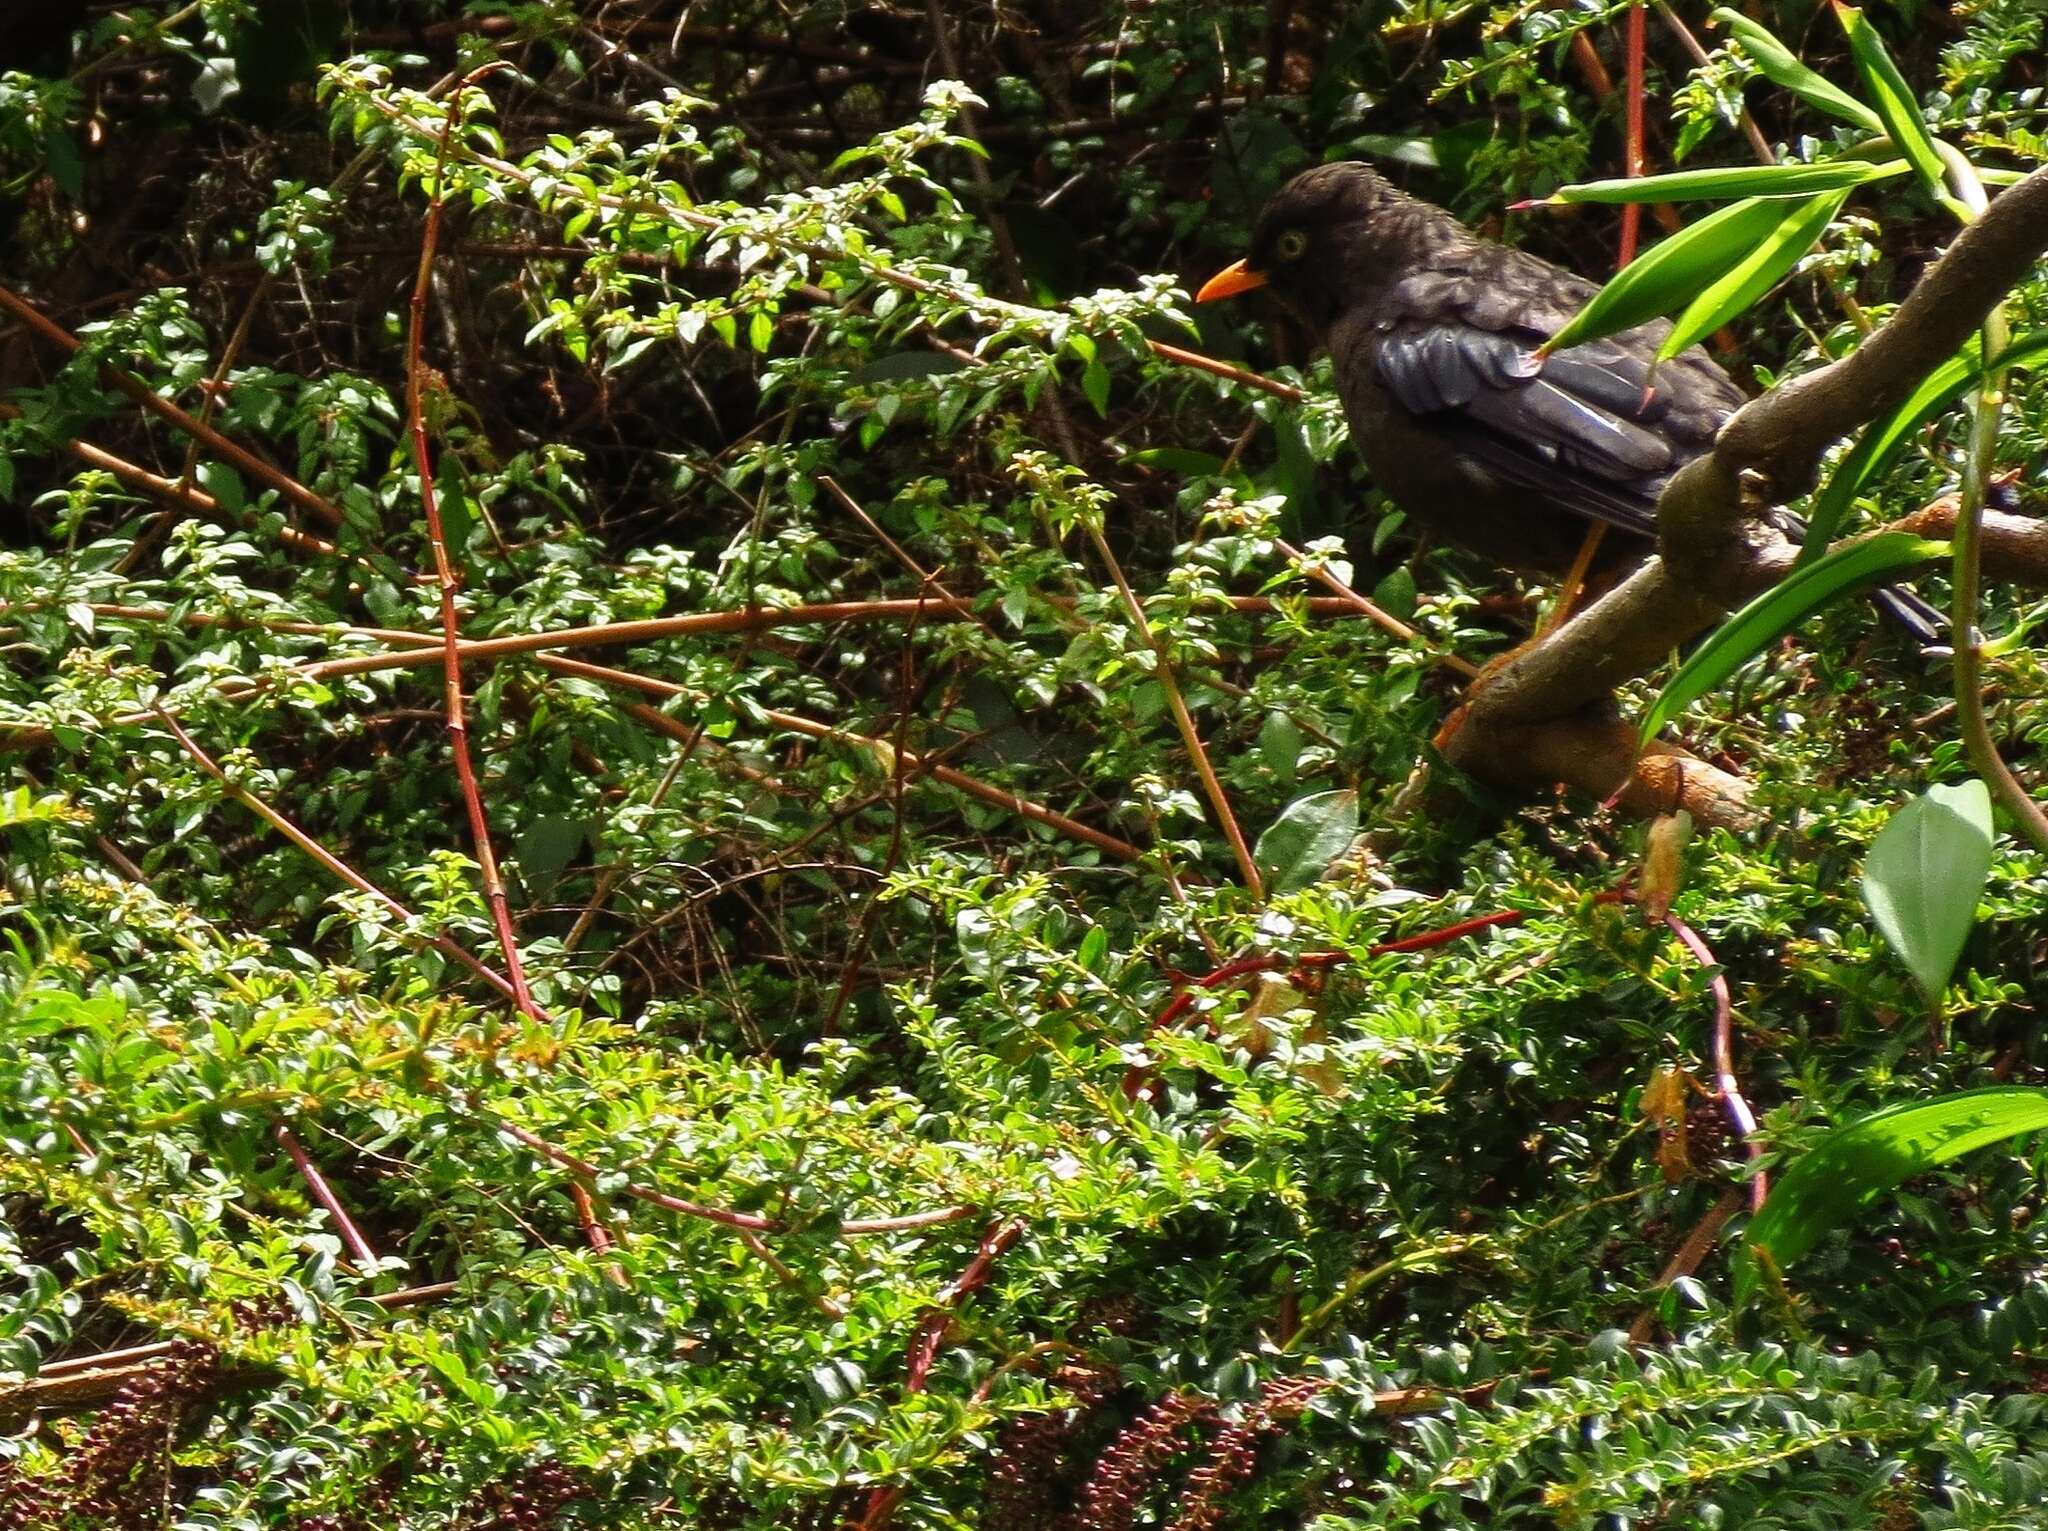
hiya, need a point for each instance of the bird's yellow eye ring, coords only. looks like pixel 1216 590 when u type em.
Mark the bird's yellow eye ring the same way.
pixel 1291 245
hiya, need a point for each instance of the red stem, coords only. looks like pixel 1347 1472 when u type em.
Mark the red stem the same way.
pixel 444 570
pixel 1632 213
pixel 1726 1085
pixel 359 1249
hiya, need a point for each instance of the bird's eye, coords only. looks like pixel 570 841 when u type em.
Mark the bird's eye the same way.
pixel 1291 245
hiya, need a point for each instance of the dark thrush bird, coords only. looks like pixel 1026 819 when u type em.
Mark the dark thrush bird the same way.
pixel 1433 332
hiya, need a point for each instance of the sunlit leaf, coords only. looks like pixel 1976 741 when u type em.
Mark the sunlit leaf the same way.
pixel 1782 68
pixel 1670 272
pixel 1755 273
pixel 1897 107
pixel 1780 609
pixel 1312 832
pixel 1854 1166
pixel 1923 876
pixel 1724 182
pixel 1881 443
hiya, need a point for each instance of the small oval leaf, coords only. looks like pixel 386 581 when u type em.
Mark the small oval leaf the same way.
pixel 1923 876
pixel 1780 609
pixel 1312 832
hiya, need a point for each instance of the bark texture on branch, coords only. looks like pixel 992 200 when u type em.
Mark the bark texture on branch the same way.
pixel 1546 715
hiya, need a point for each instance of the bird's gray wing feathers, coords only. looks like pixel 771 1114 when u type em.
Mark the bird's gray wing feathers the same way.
pixel 1581 428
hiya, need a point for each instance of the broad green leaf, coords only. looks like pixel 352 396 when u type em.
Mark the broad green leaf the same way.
pixel 1667 274
pixel 1923 875
pixel 1897 107
pixel 1758 270
pixel 1782 68
pixel 1724 182
pixel 1780 609
pixel 1178 460
pixel 904 365
pixel 1310 833
pixel 1854 1166
pixel 1881 443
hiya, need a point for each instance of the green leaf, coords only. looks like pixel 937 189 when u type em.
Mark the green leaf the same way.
pixel 1668 273
pixel 1781 608
pixel 1897 107
pixel 1756 273
pixel 1923 876
pixel 1310 833
pixel 1095 384
pixel 905 365
pixel 1280 745
pixel 1881 444
pixel 1733 181
pixel 1782 68
pixel 1854 1166
pixel 1178 460
pixel 224 484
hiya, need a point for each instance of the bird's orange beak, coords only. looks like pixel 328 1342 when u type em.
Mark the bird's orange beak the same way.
pixel 1233 279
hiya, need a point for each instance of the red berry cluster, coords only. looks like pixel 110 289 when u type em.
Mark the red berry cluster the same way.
pixel 1031 1483
pixel 252 1314
pixel 1232 1453
pixel 114 1478
pixel 1129 1470
pixel 531 1501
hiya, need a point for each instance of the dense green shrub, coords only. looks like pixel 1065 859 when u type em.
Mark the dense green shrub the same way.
pixel 742 308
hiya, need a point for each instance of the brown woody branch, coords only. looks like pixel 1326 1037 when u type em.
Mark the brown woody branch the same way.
pixel 1547 715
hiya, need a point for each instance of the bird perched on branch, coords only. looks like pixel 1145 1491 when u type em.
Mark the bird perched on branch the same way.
pixel 1435 333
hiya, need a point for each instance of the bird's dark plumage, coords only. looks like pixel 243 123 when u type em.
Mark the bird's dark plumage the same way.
pixel 1434 334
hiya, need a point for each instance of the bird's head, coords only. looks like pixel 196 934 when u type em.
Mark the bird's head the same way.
pixel 1310 242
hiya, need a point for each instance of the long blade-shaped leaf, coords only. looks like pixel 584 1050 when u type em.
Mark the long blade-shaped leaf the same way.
pixel 1782 68
pixel 1856 1165
pixel 1667 274
pixel 1880 445
pixel 1896 104
pixel 1923 876
pixel 1760 269
pixel 1728 181
pixel 1780 609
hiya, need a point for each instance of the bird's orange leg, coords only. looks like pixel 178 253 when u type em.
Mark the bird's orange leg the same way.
pixel 1574 583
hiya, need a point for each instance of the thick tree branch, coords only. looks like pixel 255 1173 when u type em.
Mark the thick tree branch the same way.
pixel 1542 714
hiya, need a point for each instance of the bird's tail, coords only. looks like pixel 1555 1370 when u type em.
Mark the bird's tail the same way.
pixel 1911 611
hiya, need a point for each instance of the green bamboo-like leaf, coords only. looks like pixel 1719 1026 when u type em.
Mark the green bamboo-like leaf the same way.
pixel 1780 609
pixel 1854 1166
pixel 1897 107
pixel 1728 181
pixel 1883 441
pixel 1667 274
pixel 1923 876
pixel 1782 68
pixel 1758 270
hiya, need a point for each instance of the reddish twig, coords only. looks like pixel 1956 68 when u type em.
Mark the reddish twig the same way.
pixel 249 463
pixel 931 1332
pixel 1686 1259
pixel 1726 1085
pixel 1632 153
pixel 352 1239
pixel 444 569
pixel 340 869
pixel 595 1234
